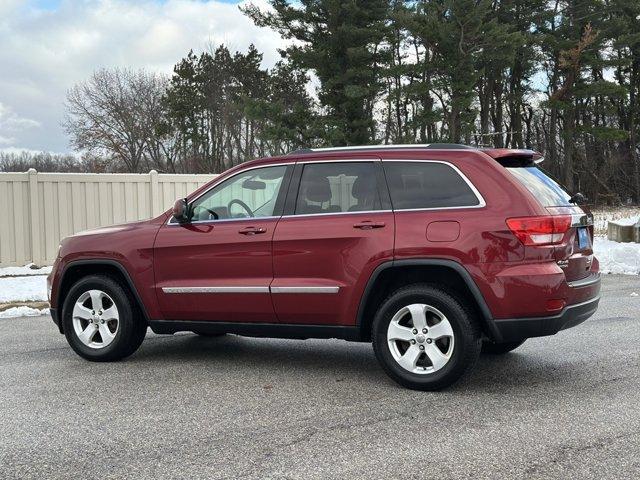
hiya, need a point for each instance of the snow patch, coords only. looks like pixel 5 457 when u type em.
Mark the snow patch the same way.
pixel 602 216
pixel 29 269
pixel 616 257
pixel 23 289
pixel 627 222
pixel 23 311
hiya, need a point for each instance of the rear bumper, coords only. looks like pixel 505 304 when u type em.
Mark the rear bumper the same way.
pixel 515 329
pixel 522 290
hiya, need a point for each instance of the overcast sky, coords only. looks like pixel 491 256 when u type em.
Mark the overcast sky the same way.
pixel 48 45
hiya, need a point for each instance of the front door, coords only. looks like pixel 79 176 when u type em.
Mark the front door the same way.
pixel 337 228
pixel 219 266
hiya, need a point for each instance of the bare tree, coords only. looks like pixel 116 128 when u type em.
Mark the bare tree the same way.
pixel 117 113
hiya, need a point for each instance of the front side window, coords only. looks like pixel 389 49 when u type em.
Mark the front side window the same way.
pixel 246 195
pixel 416 185
pixel 338 188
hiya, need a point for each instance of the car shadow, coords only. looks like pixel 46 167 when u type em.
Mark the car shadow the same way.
pixel 345 360
pixel 263 354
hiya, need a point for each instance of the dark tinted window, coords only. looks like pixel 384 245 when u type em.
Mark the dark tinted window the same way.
pixel 337 187
pixel 548 192
pixel 427 185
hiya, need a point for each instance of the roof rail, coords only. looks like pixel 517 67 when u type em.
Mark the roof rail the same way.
pixel 424 146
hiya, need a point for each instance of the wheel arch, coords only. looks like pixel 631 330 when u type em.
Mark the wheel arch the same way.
pixel 78 269
pixel 396 273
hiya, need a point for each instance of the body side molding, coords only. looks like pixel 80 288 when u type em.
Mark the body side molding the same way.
pixel 252 289
pixel 238 289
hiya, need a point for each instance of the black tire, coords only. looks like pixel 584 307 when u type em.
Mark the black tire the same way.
pixel 466 337
pixel 490 348
pixel 131 330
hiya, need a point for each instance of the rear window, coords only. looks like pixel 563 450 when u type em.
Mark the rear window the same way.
pixel 546 190
pixel 416 185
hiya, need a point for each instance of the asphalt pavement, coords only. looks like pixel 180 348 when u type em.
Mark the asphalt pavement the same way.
pixel 184 406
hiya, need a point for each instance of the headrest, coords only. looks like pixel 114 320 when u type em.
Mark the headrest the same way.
pixel 318 189
pixel 363 187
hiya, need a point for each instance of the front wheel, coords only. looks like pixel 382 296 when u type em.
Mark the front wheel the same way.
pixel 424 338
pixel 99 320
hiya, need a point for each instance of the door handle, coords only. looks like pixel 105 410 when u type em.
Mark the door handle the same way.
pixel 368 225
pixel 253 230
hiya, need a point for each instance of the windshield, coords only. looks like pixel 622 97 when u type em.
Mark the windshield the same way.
pixel 546 190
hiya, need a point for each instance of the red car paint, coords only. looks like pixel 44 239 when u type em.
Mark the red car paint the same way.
pixel 515 281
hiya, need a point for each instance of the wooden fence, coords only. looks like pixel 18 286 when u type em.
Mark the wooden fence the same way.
pixel 42 208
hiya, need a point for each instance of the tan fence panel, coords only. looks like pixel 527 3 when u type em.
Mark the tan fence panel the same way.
pixel 42 208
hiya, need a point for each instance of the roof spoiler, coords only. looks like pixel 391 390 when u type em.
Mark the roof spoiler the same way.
pixel 510 157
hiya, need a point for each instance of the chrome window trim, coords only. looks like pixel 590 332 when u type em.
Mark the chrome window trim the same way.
pixel 482 203
pixel 309 289
pixel 335 213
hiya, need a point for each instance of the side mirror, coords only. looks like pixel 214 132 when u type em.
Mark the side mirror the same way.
pixel 181 210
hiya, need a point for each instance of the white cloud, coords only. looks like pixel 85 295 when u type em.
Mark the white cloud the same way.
pixel 45 52
pixel 7 7
pixel 11 124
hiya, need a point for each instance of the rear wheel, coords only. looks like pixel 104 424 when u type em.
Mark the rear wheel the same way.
pixel 491 348
pixel 425 338
pixel 100 321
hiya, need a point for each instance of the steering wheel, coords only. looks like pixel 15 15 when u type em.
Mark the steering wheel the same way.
pixel 211 212
pixel 242 204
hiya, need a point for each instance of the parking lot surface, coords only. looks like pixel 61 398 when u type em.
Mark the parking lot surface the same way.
pixel 183 406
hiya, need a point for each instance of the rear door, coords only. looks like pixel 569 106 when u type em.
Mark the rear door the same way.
pixel 337 228
pixel 575 253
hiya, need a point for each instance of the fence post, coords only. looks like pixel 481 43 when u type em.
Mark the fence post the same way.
pixel 155 193
pixel 34 217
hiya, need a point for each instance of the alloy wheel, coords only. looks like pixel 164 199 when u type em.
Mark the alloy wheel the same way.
pixel 95 319
pixel 420 338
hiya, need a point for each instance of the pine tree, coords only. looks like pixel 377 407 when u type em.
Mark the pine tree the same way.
pixel 340 42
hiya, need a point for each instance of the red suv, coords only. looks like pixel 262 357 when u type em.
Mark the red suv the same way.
pixel 431 252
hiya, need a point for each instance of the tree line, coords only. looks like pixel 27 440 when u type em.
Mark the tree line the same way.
pixel 561 77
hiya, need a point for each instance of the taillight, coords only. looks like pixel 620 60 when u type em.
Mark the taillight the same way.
pixel 538 231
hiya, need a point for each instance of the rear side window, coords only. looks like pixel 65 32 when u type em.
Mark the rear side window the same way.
pixel 337 188
pixel 546 190
pixel 415 185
